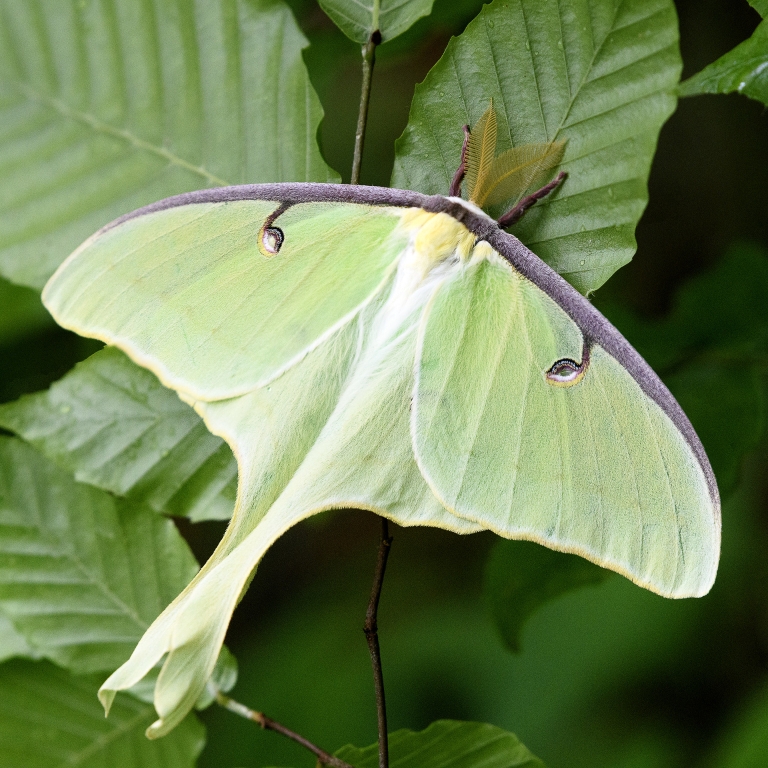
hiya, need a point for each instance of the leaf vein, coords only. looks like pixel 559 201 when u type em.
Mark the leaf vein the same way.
pixel 125 135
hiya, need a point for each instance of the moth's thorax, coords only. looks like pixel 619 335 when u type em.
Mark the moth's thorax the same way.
pixel 470 206
pixel 438 245
pixel 439 240
pixel 436 238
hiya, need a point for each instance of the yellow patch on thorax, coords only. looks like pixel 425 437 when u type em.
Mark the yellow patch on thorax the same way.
pixel 483 250
pixel 437 236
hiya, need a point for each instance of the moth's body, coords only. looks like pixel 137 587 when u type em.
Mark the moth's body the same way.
pixel 438 247
pixel 392 352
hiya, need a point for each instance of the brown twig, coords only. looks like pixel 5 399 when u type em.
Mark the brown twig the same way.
pixel 268 724
pixel 371 630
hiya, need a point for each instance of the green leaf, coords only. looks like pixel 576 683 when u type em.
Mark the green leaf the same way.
pixel 12 642
pixel 448 744
pixel 82 575
pixel 742 70
pixel 359 19
pixel 113 425
pixel 104 108
pixel 521 576
pixel 597 73
pixel 21 313
pixel 50 719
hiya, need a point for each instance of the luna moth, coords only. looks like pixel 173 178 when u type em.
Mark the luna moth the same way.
pixel 380 349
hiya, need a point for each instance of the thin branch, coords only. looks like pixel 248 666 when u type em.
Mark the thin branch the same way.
pixel 371 630
pixel 268 724
pixel 369 59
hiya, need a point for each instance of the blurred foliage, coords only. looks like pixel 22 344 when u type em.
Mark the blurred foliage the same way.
pixel 13 643
pixel 522 576
pixel 49 718
pixel 21 313
pixel 609 676
pixel 746 745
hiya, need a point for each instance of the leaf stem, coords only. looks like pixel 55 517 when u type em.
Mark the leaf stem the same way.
pixel 371 630
pixel 371 627
pixel 268 724
pixel 369 59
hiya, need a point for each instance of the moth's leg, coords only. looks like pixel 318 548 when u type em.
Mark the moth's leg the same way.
pixel 455 188
pixel 515 214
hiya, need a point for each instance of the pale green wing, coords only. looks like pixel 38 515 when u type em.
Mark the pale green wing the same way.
pixel 595 467
pixel 323 360
pixel 346 446
pixel 187 291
